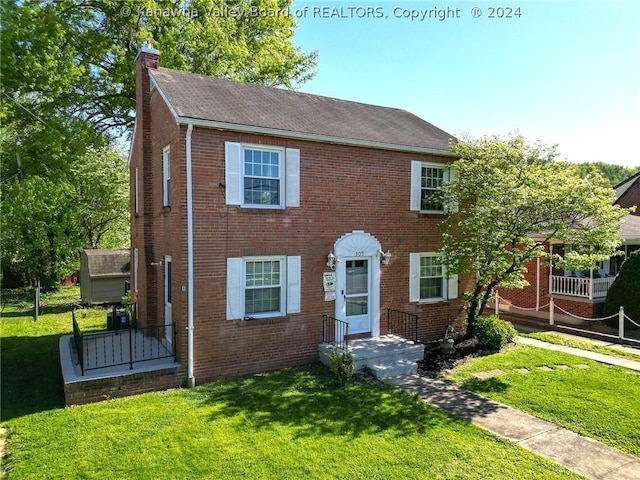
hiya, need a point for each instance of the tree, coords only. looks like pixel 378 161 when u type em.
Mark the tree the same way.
pixel 75 59
pixel 68 91
pixel 511 198
pixel 625 290
pixel 613 173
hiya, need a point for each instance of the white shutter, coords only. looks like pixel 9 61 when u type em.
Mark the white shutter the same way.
pixel 452 287
pixel 294 272
pixel 235 284
pixel 414 277
pixel 453 176
pixel 233 173
pixel 416 184
pixel 292 181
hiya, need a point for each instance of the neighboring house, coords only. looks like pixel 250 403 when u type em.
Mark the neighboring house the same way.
pixel 242 196
pixel 579 293
pixel 104 274
pixel 628 193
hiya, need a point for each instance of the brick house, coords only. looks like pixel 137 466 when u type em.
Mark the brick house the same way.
pixel 243 197
pixel 578 293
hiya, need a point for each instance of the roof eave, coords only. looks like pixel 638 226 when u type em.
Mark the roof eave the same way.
pixel 309 136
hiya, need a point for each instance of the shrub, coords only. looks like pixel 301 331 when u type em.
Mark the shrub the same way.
pixel 493 333
pixel 342 366
pixel 625 290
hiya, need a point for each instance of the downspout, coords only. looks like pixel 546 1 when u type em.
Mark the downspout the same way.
pixel 191 381
pixel 537 284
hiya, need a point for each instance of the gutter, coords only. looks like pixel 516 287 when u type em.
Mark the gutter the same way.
pixel 191 381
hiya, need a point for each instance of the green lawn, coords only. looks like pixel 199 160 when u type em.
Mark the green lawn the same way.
pixel 31 379
pixel 600 401
pixel 290 424
pixel 583 344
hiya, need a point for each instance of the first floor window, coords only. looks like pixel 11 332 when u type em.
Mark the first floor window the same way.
pixel 263 287
pixel 428 280
pixel 431 277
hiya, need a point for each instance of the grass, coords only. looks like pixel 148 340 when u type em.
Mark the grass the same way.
pixel 31 379
pixel 289 424
pixel 600 402
pixel 584 345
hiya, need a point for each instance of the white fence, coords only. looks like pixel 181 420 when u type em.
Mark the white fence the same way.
pixel 621 315
pixel 580 286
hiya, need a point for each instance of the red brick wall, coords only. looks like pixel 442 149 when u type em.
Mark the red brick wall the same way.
pixel 631 197
pixel 89 391
pixel 341 189
pixel 526 297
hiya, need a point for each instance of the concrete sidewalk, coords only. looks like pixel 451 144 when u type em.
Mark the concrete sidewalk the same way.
pixel 598 357
pixel 579 454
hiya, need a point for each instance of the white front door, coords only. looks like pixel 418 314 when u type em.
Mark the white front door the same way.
pixel 357 294
pixel 168 329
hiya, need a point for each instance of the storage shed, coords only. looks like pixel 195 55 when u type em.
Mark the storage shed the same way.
pixel 103 275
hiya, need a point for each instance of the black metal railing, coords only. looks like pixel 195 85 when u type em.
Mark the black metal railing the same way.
pixel 335 332
pixel 126 346
pixel 77 340
pixel 403 324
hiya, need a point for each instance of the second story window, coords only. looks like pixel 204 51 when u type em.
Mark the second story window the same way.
pixel 262 176
pixel 166 176
pixel 426 186
pixel 430 182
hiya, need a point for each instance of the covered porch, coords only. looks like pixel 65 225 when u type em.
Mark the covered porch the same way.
pixel 591 288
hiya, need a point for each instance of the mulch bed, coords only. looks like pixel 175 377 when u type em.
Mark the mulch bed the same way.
pixel 436 364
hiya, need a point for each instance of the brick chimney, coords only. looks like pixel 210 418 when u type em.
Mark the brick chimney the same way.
pixel 143 237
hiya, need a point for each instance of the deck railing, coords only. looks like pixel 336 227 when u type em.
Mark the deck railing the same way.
pixel 583 287
pixel 403 324
pixel 335 332
pixel 126 346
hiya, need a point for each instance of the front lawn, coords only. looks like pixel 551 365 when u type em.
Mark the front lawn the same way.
pixel 583 344
pixel 290 424
pixel 31 379
pixel 599 401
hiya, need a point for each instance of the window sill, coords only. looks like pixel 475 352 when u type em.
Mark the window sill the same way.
pixel 429 301
pixel 261 321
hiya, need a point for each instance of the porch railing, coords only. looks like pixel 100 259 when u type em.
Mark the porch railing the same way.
pixel 403 324
pixel 583 287
pixel 126 346
pixel 335 332
pixel 78 342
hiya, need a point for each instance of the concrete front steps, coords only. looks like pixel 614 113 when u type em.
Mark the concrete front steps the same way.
pixel 386 356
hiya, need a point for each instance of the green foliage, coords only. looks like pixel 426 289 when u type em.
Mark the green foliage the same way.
pixel 342 366
pixel 614 174
pixel 48 219
pixel 76 58
pixel 511 197
pixel 625 290
pixel 493 333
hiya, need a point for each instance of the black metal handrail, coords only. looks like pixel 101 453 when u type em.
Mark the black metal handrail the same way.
pixel 126 346
pixel 403 324
pixel 77 339
pixel 335 332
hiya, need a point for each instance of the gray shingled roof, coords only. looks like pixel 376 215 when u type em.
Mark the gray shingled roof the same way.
pixel 630 229
pixel 201 98
pixel 108 262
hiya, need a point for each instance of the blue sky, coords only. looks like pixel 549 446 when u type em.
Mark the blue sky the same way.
pixel 565 73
